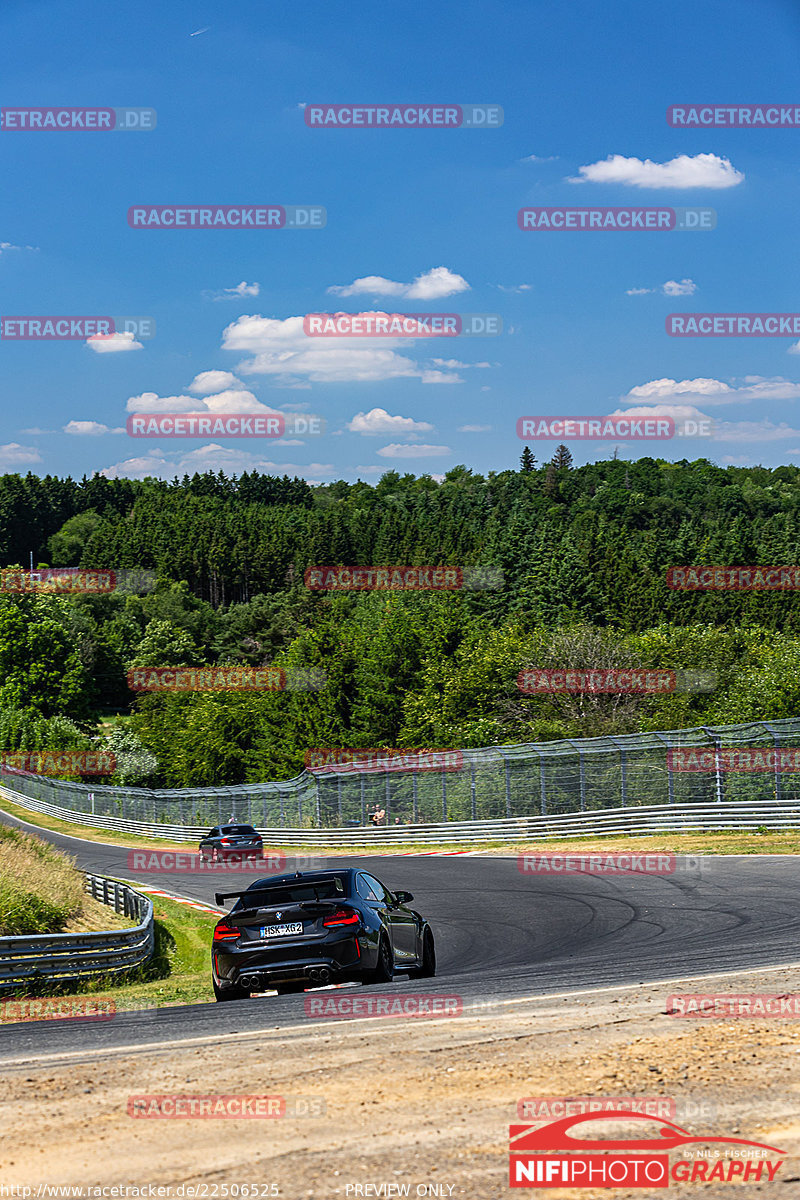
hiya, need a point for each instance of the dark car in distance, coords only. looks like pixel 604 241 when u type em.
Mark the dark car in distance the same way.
pixel 223 841
pixel 312 928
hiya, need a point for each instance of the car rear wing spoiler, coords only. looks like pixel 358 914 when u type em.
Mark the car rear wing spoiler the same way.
pixel 221 897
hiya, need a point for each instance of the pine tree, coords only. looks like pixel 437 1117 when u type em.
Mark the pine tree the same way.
pixel 562 458
pixel 527 462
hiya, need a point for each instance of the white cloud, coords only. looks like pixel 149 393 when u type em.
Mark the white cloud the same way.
pixel 516 288
pixel 540 158
pixel 753 431
pixel 686 287
pixel 701 171
pixel 639 291
pixel 378 421
pixel 395 450
pixel 11 246
pixel 714 391
pixel 113 343
pixel 211 457
pixel 433 285
pixel 89 428
pixel 236 293
pixel 214 381
pixel 453 364
pixel 233 400
pixel 440 377
pixel 282 349
pixel 794 348
pixel 12 454
pixel 474 428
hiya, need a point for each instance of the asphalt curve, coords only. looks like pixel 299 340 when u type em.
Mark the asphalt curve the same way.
pixel 499 933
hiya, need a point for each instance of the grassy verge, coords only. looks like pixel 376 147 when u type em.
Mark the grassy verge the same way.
pixel 41 891
pixel 722 841
pixel 178 973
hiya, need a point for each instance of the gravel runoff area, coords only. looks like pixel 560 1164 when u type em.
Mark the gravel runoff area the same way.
pixel 419 1102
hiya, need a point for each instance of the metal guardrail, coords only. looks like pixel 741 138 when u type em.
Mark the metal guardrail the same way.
pixel 68 956
pixel 609 822
pixel 491 791
pixel 490 783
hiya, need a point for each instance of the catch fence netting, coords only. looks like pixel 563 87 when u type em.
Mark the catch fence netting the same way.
pixel 488 783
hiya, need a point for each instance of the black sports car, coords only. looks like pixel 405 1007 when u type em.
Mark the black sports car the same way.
pixel 224 841
pixel 290 932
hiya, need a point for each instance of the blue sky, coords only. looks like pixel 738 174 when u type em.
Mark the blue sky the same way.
pixel 428 215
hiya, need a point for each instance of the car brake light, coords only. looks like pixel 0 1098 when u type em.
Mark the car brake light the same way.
pixel 225 841
pixel 342 916
pixel 223 931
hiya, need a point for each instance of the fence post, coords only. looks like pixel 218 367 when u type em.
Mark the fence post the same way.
pixel 542 785
pixel 339 797
pixel 582 768
pixel 388 790
pixel 415 796
pixel 444 795
pixel 363 798
pixel 472 789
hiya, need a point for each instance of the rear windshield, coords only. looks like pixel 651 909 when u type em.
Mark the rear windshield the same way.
pixel 292 893
pixel 238 829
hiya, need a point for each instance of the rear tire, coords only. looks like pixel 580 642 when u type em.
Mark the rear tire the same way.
pixel 384 969
pixel 428 968
pixel 230 993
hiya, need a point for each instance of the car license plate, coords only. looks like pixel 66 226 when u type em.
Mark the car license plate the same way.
pixel 281 930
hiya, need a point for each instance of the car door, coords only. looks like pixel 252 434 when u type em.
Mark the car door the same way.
pixel 402 922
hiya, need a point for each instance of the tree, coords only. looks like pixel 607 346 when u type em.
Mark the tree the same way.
pixel 527 462
pixel 562 458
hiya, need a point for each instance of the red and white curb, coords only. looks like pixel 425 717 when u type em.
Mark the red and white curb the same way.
pixel 151 891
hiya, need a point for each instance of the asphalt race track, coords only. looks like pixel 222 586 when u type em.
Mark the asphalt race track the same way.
pixel 499 933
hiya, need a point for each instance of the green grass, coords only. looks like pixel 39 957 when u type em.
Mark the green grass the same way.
pixel 40 889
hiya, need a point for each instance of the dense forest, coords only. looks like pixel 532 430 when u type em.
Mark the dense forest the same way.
pixel 583 554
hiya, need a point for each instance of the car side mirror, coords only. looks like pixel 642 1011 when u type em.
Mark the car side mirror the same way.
pixel 403 897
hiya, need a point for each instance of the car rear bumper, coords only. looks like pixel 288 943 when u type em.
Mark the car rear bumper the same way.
pixel 262 968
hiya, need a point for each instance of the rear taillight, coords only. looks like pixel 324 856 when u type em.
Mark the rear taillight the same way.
pixel 342 916
pixel 223 931
pixel 225 841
